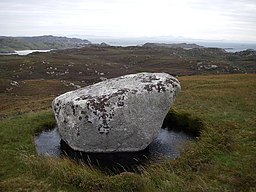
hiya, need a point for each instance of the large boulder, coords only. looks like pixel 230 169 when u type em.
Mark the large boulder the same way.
pixel 116 115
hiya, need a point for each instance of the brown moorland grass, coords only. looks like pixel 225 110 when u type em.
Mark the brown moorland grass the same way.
pixel 222 159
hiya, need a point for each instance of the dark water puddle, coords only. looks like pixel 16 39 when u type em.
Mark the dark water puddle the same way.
pixel 167 145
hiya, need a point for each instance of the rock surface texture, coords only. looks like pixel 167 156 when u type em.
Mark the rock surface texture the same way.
pixel 117 115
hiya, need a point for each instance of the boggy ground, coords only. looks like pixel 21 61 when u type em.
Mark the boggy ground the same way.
pixel 222 159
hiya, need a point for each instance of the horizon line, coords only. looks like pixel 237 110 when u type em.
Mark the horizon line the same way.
pixel 160 37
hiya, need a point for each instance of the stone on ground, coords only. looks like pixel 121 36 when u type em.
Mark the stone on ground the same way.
pixel 116 115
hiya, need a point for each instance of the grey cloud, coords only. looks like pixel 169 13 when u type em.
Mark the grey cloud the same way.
pixel 239 12
pixel 48 16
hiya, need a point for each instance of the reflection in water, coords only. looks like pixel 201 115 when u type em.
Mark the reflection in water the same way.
pixel 48 143
pixel 166 145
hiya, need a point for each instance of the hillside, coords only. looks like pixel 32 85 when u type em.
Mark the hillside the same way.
pixel 173 45
pixel 9 44
pixel 74 68
pixel 221 159
pixel 93 63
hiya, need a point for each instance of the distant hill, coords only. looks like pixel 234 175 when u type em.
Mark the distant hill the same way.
pixel 174 45
pixel 10 44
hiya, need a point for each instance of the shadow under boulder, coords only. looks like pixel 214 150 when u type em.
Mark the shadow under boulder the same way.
pixel 184 122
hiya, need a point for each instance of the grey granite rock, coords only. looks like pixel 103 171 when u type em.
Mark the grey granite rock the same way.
pixel 116 115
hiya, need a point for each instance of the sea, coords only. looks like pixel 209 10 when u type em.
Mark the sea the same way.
pixel 229 47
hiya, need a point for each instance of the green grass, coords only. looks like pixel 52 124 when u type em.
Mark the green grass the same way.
pixel 222 159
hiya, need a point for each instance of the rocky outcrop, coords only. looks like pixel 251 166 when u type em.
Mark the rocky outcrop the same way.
pixel 246 53
pixel 116 115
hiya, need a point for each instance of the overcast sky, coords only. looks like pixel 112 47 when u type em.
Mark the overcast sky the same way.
pixel 201 19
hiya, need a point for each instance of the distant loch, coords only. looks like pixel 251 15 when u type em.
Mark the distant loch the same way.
pixel 26 52
pixel 23 52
